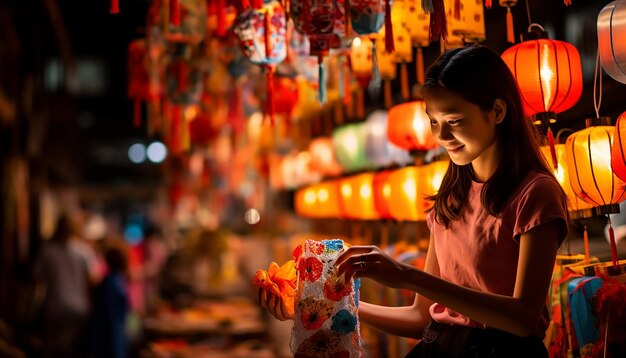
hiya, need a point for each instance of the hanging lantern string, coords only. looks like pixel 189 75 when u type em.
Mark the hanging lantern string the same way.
pixel 558 134
pixel 586 243
pixel 597 97
pixel 528 12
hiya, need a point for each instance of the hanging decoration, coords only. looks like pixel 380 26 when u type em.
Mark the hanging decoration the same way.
pixel 319 200
pixel 430 178
pixel 187 21
pixel 618 148
pixel 262 37
pixel 612 39
pixel 404 201
pixel 549 76
pixel 378 149
pixel 382 193
pixel 349 147
pixel 510 29
pixel 138 83
pixel 357 197
pixel 361 65
pixel 388 71
pixel 417 22
pixel 408 127
pixel 323 157
pixel 402 45
pixel 465 21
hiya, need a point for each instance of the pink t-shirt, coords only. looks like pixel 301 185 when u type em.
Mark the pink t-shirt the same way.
pixel 481 251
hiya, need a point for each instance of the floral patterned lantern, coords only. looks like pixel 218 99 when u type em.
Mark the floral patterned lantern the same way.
pixel 618 149
pixel 408 127
pixel 612 39
pixel 349 146
pixel 378 149
pixel 262 37
pixel 357 197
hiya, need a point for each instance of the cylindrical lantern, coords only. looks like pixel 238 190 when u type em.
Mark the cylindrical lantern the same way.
pixel 465 22
pixel 382 193
pixel 548 73
pixel 404 201
pixel 378 149
pixel 612 39
pixel 349 146
pixel 588 155
pixel 323 158
pixel 318 201
pixel 357 197
pixel 408 127
pixel 417 22
pixel 577 206
pixel 430 177
pixel 618 150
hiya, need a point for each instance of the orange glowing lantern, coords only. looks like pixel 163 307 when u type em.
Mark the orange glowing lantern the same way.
pixel 577 206
pixel 323 158
pixel 404 201
pixel 408 127
pixel 588 155
pixel 402 53
pixel 361 65
pixel 417 22
pixel 382 192
pixel 318 201
pixel 465 22
pixel 618 150
pixel 357 197
pixel 430 178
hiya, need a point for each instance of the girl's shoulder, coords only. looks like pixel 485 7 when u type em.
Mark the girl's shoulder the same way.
pixel 539 186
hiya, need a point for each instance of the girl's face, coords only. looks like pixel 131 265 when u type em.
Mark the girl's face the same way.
pixel 465 130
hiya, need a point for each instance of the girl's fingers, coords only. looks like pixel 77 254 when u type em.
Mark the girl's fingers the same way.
pixel 262 297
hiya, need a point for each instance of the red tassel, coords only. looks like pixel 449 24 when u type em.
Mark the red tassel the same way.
pixel 270 93
pixel 136 113
pixel 115 7
pixel 457 9
pixel 389 44
pixel 419 61
pixel 613 245
pixel 567 2
pixel 257 4
pixel 438 29
pixel 182 77
pixel 387 94
pixel 488 4
pixel 175 132
pixel 510 31
pixel 404 81
pixel 221 18
pixel 348 19
pixel 347 97
pixel 268 35
pixel 174 13
pixel 555 162
pixel 586 243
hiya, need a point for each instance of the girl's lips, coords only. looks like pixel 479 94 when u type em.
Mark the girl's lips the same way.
pixel 456 149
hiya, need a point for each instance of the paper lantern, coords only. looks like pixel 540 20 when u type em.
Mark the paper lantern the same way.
pixel 367 16
pixel 618 149
pixel 408 127
pixel 429 181
pixel 303 173
pixel 179 21
pixel 548 73
pixel 318 201
pixel 465 22
pixel 577 206
pixel 382 193
pixel 387 69
pixel 588 154
pixel 378 149
pixel 357 197
pixel 402 53
pixel 404 201
pixel 612 39
pixel 417 22
pixel 323 157
pixel 349 147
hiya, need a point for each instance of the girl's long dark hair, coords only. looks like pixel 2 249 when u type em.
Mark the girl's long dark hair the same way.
pixel 479 75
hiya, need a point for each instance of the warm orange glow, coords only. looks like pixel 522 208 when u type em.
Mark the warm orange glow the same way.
pixel 548 73
pixel 618 150
pixel 356 199
pixel 318 201
pixel 404 202
pixel 323 158
pixel 361 57
pixel 408 127
pixel 430 176
pixel 382 192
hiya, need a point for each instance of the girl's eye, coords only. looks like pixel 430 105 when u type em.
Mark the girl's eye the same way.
pixel 454 121
pixel 433 122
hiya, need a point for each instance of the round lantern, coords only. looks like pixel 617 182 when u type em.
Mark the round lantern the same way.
pixel 548 73
pixel 408 127
pixel 318 201
pixel 349 147
pixel 404 201
pixel 577 206
pixel 357 197
pixel 430 177
pixel 323 157
pixel 382 192
pixel 618 150
pixel 612 39
pixel 378 149
pixel 588 154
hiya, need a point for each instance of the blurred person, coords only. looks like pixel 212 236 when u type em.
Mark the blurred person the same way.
pixel 64 272
pixel 111 306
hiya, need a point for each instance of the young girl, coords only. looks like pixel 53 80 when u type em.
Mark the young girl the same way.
pixel 497 222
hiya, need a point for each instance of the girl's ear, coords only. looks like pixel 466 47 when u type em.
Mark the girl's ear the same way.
pixel 499 109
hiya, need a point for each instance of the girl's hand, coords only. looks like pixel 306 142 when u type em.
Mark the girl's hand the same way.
pixel 275 305
pixel 371 262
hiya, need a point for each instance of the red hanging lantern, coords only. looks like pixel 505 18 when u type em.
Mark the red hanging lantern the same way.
pixel 549 76
pixel 618 148
pixel 408 127
pixel 262 37
pixel 382 193
pixel 138 83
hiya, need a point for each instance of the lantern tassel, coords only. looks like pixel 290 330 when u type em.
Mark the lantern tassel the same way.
pixel 438 29
pixel 221 18
pixel 321 84
pixel 567 2
pixel 420 65
pixel 404 81
pixel 613 245
pixel 360 105
pixel 488 4
pixel 136 113
pixel 175 134
pixel 270 93
pixel 115 7
pixel 427 6
pixel 586 243
pixel 348 19
pixel 387 90
pixel 510 31
pixel 347 98
pixel 374 85
pixel 389 44
pixel 457 9
pixel 555 162
pixel 182 77
pixel 174 13
pixel 185 138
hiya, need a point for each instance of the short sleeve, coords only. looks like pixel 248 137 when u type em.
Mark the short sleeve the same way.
pixel 430 217
pixel 540 202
